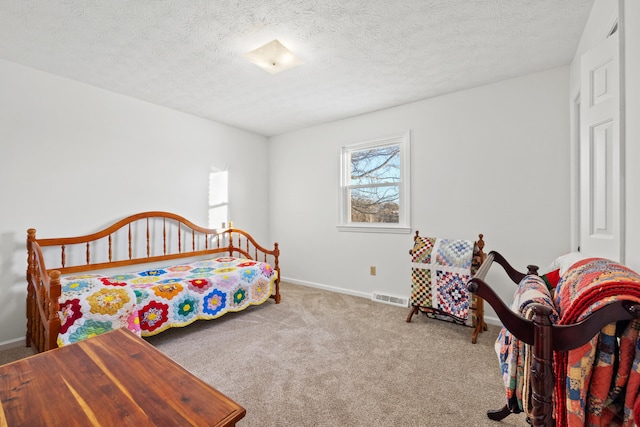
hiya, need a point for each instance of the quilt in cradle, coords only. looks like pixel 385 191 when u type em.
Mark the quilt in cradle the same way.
pixel 600 380
pixel 151 301
pixel 514 355
pixel 440 271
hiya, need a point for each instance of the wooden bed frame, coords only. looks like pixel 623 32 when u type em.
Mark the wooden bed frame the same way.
pixel 543 336
pixel 478 307
pixel 146 237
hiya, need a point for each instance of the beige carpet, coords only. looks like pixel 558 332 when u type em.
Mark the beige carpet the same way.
pixel 327 359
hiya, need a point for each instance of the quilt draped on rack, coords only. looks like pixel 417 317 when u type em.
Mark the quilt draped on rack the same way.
pixel 440 271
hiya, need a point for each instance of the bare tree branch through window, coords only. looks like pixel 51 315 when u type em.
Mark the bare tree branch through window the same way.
pixel 374 177
pixel 375 186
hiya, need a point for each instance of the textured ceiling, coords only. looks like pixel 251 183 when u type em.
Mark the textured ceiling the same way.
pixel 360 55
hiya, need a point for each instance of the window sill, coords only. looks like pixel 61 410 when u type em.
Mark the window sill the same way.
pixel 374 229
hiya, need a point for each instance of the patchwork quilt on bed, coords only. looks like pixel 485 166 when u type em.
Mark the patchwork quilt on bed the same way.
pixel 151 301
pixel 440 271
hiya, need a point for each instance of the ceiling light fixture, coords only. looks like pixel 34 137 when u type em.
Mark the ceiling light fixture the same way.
pixel 273 57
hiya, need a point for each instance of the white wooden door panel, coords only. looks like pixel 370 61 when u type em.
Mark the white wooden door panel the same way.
pixel 600 163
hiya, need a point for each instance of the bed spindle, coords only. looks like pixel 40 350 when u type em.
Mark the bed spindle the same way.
pixel 164 236
pixel 129 237
pixel 54 303
pixel 193 240
pixel 30 312
pixel 45 315
pixel 110 249
pixel 63 256
pixel 31 268
pixel 88 254
pixel 148 240
pixel 179 239
pixel 40 335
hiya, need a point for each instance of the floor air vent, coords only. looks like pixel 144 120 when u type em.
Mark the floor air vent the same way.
pixel 389 299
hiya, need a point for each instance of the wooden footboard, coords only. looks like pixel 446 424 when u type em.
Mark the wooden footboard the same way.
pixel 143 238
pixel 43 291
pixel 241 243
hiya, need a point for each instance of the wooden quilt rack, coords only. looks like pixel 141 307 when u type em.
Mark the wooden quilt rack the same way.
pixel 477 305
pixel 544 337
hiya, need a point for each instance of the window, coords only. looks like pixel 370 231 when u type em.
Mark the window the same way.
pixel 218 199
pixel 375 186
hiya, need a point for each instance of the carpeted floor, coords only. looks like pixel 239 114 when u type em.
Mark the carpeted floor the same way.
pixel 325 359
pixel 14 353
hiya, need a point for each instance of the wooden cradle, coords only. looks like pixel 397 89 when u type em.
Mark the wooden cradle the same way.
pixel 547 340
pixel 144 238
pixel 476 305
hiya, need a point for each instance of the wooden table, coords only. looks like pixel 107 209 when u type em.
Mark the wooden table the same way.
pixel 113 379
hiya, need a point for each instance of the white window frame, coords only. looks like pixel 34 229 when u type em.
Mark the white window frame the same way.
pixel 404 219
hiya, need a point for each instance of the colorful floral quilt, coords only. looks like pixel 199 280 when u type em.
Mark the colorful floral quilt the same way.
pixel 151 301
pixel 440 271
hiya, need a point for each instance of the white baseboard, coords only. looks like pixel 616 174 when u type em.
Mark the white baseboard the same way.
pixel 492 320
pixel 327 288
pixel 16 342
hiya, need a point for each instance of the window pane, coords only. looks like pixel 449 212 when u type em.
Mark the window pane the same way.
pixel 375 204
pixel 376 165
pixel 218 199
pixel 218 188
pixel 218 216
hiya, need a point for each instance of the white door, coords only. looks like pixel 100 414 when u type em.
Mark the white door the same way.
pixel 600 163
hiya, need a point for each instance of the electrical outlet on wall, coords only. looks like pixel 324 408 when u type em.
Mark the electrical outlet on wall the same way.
pixel 372 270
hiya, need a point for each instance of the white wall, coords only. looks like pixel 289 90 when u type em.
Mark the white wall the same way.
pixel 491 160
pixel 74 158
